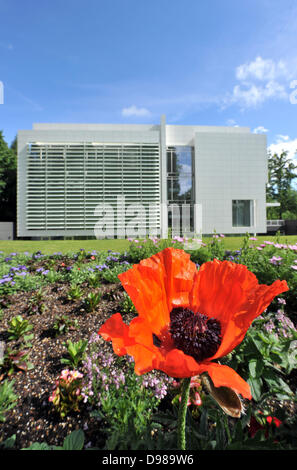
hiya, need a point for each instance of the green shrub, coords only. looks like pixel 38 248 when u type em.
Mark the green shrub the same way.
pixel 18 327
pixel 8 398
pixel 76 352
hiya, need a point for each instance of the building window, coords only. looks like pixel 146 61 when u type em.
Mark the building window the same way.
pixel 180 183
pixel 242 213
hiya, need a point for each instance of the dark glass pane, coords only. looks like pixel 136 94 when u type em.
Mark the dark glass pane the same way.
pixel 169 190
pixel 180 184
pixel 169 166
pixel 175 189
pixel 241 213
pixel 174 168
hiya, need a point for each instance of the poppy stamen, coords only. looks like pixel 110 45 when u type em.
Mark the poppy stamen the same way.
pixel 156 341
pixel 194 333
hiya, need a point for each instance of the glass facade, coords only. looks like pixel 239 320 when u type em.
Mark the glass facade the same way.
pixel 242 213
pixel 180 189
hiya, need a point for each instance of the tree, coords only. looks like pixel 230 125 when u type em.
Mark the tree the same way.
pixel 8 170
pixel 281 173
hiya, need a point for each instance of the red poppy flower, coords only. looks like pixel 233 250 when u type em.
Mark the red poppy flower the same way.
pixel 254 425
pixel 187 319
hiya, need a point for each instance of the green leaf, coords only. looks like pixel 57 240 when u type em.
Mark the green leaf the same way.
pixel 257 367
pixel 9 442
pixel 28 338
pixel 38 446
pixel 257 343
pixel 256 387
pixel 276 383
pixel 75 440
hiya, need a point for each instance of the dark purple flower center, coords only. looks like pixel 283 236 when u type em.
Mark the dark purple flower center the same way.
pixel 194 333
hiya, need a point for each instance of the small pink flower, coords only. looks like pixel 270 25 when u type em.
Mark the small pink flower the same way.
pixel 275 260
pixel 197 399
pixel 64 374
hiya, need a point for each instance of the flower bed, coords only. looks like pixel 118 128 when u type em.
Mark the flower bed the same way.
pixel 59 378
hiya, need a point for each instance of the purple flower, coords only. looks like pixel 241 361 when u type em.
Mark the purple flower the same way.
pixel 101 267
pixel 269 326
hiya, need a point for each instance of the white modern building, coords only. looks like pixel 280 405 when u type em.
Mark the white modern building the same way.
pixel 121 180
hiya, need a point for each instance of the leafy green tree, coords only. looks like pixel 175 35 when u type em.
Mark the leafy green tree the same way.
pixel 8 170
pixel 281 173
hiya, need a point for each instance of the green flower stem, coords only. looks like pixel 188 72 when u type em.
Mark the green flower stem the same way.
pixel 182 412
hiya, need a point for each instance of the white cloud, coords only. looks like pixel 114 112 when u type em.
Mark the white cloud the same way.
pixel 135 111
pixel 260 130
pixel 250 95
pixel 281 138
pixel 263 70
pixel 231 122
pixel 283 143
pixel 261 80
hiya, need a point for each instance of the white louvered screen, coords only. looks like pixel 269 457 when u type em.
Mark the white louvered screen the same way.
pixel 65 183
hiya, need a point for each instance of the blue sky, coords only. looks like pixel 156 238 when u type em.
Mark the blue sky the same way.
pixel 129 61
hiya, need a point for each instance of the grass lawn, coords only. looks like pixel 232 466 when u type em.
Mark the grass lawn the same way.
pixel 52 246
pixel 64 246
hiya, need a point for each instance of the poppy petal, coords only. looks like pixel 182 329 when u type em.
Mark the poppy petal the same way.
pixel 230 293
pixel 115 330
pixel 224 376
pixel 135 340
pixel 158 283
pixel 179 365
